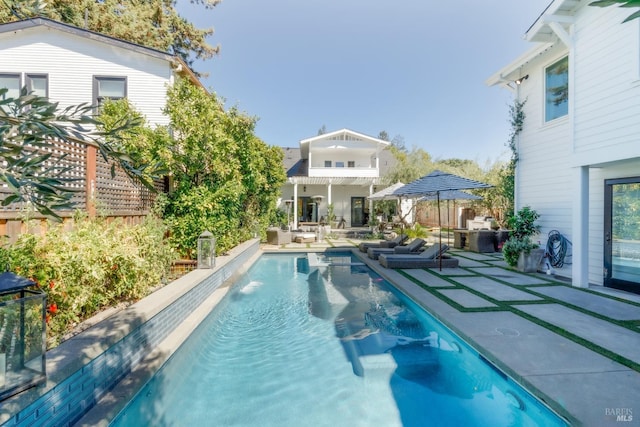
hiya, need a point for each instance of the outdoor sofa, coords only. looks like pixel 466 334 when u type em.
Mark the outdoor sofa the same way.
pixel 414 246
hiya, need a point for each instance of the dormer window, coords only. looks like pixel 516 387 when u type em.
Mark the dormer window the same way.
pixel 351 164
pixel 327 163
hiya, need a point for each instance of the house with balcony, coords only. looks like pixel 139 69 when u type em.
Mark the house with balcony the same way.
pixel 339 169
pixel 579 149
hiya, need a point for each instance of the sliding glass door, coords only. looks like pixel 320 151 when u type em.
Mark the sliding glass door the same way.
pixel 622 234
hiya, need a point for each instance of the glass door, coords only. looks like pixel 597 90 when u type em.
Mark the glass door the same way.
pixel 357 211
pixel 622 234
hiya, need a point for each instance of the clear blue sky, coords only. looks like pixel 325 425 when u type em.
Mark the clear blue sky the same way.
pixel 414 68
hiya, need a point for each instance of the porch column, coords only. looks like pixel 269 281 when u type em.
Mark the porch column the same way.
pixel 371 213
pixel 295 206
pixel 329 193
pixel 580 229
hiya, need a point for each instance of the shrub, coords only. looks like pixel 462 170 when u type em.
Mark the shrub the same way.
pixel 97 264
pixel 522 226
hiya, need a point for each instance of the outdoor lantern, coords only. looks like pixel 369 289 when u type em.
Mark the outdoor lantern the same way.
pixel 23 334
pixel 206 250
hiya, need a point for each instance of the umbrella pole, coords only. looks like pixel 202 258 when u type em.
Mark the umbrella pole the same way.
pixel 439 231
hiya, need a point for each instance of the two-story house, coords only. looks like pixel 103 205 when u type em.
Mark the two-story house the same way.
pixel 74 66
pixel 340 169
pixel 579 149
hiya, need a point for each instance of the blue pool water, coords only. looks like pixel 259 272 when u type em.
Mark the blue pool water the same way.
pixel 328 346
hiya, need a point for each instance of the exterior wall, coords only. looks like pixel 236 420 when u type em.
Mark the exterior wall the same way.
pixel 600 131
pixel 543 178
pixel 71 62
pixel 607 86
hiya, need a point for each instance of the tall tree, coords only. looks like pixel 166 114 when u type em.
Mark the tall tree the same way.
pixel 151 23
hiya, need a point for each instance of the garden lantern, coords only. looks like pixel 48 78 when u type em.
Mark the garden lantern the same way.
pixel 206 250
pixel 22 334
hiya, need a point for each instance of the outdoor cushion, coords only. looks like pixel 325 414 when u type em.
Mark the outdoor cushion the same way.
pixel 398 240
pixel 414 246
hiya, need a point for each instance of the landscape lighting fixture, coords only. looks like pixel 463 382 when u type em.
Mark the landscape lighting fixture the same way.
pixel 521 79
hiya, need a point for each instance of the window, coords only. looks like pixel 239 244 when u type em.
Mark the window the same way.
pixel 109 87
pixel 38 84
pixel 557 90
pixel 351 164
pixel 327 163
pixel 339 164
pixel 12 83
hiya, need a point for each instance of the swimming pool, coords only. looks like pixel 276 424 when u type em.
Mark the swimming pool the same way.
pixel 334 345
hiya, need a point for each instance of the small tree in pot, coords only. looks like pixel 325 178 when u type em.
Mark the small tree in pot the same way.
pixel 519 249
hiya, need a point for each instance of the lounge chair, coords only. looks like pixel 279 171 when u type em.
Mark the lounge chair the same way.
pixel 398 240
pixel 429 258
pixel 414 246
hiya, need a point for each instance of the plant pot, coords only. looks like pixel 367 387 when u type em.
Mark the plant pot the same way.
pixel 528 263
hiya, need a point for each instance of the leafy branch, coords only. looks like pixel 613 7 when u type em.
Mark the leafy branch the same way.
pixel 29 125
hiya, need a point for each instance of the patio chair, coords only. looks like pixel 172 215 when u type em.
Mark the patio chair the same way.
pixel 414 246
pixel 397 241
pixel 429 258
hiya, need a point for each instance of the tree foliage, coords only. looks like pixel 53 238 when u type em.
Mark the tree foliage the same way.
pixel 151 23
pixel 30 170
pixel 226 179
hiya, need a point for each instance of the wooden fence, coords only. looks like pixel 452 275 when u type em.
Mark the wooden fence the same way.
pixel 96 191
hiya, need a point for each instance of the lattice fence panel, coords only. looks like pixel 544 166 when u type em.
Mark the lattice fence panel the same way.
pixel 119 195
pixel 75 159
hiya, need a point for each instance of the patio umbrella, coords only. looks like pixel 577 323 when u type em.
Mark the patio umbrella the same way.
pixel 386 193
pixel 435 183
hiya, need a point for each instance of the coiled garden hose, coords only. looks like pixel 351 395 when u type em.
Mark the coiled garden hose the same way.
pixel 556 248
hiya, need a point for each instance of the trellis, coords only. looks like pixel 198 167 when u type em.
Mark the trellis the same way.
pixel 95 189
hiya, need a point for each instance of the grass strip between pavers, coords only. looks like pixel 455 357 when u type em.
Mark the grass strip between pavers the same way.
pixel 508 306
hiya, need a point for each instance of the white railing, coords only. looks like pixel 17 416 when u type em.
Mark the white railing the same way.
pixel 343 172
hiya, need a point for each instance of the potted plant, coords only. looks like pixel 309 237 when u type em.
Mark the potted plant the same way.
pixel 519 250
pixel 331 216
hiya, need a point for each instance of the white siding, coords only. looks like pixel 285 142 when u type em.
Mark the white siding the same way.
pixel 71 62
pixel 543 179
pixel 607 93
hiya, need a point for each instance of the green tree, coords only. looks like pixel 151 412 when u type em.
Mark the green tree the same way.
pixel 227 180
pixel 151 23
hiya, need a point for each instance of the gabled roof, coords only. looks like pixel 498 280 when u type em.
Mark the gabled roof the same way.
pixel 176 62
pixel 339 135
pixel 549 29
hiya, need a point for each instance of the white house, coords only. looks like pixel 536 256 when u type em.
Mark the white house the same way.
pixel 579 150
pixel 73 66
pixel 341 169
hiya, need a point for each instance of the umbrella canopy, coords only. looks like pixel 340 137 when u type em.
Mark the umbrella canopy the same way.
pixel 386 193
pixel 450 195
pixel 435 184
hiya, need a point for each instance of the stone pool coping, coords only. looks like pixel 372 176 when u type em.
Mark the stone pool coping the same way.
pixel 137 339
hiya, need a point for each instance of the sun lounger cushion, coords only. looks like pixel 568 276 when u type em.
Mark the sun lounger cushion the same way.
pixel 412 247
pixel 398 240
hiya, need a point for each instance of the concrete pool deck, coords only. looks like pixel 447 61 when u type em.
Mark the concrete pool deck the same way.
pixel 576 349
